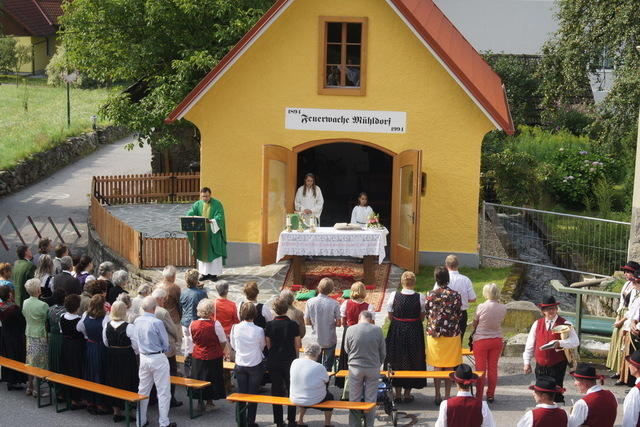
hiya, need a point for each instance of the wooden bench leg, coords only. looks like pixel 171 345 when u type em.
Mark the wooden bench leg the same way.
pixel 127 411
pixel 193 414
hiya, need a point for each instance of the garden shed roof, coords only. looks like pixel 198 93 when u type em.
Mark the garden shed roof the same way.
pixel 433 29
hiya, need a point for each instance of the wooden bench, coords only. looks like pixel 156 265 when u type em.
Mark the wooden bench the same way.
pixel 192 387
pixel 39 374
pixel 438 375
pixel 116 393
pixel 276 400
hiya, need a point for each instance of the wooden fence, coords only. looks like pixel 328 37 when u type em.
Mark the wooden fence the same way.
pixel 114 233
pixel 141 251
pixel 159 252
pixel 147 188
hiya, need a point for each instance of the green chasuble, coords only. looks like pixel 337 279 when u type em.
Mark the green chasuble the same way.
pixel 23 270
pixel 209 246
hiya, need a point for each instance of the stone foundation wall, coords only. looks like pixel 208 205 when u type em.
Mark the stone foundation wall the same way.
pixel 41 165
pixel 99 252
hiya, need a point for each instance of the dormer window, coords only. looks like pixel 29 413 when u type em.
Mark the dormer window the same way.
pixel 342 56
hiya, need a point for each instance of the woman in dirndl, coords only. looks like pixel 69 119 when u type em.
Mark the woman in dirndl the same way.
pixel 350 311
pixel 93 321
pixel 72 355
pixel 12 340
pixel 405 339
pixel 617 353
pixel 35 313
pixel 444 346
pixel 53 328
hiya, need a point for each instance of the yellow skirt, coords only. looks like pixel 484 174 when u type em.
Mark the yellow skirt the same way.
pixel 444 352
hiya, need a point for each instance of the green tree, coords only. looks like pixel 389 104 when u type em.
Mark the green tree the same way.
pixel 7 53
pixel 590 34
pixel 166 46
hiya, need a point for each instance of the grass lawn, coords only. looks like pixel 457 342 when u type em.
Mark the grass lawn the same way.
pixel 478 276
pixel 44 124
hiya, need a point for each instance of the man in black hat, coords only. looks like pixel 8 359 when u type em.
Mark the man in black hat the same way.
pixel 631 408
pixel 598 407
pixel 547 413
pixel 464 410
pixel 550 361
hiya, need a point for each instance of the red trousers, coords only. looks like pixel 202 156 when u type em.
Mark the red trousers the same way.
pixel 487 353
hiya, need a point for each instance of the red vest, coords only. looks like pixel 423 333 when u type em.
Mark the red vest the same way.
pixel 353 311
pixel 549 357
pixel 206 345
pixel 603 408
pixel 544 417
pixel 464 411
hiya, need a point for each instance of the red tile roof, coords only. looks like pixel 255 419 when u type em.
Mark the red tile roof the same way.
pixel 38 17
pixel 462 61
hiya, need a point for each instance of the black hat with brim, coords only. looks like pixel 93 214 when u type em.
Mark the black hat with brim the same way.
pixel 548 301
pixel 631 266
pixel 463 375
pixel 634 359
pixel 587 372
pixel 546 385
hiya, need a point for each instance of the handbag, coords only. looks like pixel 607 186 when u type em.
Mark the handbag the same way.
pixel 471 340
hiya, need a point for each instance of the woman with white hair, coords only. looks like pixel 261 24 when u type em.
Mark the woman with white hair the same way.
pixel 134 311
pixel 487 338
pixel 35 313
pixel 226 310
pixel 105 272
pixel 309 381
pixel 209 347
pixel 120 281
pixel 121 369
pixel 168 284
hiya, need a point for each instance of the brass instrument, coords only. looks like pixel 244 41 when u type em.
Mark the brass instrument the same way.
pixel 570 353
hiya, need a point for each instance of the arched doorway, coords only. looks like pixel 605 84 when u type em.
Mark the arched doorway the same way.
pixel 345 169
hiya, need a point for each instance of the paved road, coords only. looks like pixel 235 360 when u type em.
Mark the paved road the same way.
pixel 65 194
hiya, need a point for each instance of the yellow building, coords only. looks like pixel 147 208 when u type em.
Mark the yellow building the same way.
pixel 33 23
pixel 381 96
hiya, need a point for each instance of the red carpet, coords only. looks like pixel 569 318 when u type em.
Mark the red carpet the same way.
pixel 344 274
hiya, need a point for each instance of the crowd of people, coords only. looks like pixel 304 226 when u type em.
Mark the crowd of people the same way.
pixel 66 315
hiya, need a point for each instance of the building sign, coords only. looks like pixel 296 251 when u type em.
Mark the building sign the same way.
pixel 345 120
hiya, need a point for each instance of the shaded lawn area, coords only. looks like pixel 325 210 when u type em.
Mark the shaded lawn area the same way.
pixel 44 123
pixel 478 276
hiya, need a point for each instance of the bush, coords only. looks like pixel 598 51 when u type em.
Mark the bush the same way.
pixel 7 53
pixel 575 174
pixel 59 65
pixel 575 119
pixel 514 177
pixel 545 145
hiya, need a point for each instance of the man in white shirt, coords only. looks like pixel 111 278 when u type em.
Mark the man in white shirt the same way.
pixel 464 409
pixel 309 380
pixel 462 285
pixel 546 412
pixel 550 362
pixel 598 407
pixel 631 407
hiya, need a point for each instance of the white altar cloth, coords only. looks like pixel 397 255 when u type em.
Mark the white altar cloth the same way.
pixel 327 241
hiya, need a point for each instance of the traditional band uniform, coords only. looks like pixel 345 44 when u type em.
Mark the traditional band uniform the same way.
pixel 631 407
pixel 551 362
pixel 464 410
pixel 598 408
pixel 545 415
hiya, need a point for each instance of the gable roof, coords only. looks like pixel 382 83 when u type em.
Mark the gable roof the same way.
pixel 431 27
pixel 37 17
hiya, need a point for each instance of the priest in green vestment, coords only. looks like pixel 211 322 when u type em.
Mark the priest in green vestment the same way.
pixel 210 247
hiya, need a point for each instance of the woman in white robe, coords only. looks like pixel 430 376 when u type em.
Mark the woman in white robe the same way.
pixel 309 198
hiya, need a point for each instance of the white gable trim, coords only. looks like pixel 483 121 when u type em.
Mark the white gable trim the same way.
pixel 444 65
pixel 246 47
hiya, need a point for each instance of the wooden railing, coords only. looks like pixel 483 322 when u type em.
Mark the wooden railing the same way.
pixel 160 252
pixel 147 188
pixel 114 233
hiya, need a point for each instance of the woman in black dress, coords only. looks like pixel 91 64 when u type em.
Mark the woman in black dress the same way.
pixel 53 328
pixel 121 370
pixel 72 354
pixel 12 339
pixel 405 339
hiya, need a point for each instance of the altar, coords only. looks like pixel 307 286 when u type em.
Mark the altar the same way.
pixel 368 244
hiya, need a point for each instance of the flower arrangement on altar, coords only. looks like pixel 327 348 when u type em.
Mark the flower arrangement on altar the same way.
pixel 374 221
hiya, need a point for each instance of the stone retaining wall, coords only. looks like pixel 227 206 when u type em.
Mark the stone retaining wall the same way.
pixel 40 165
